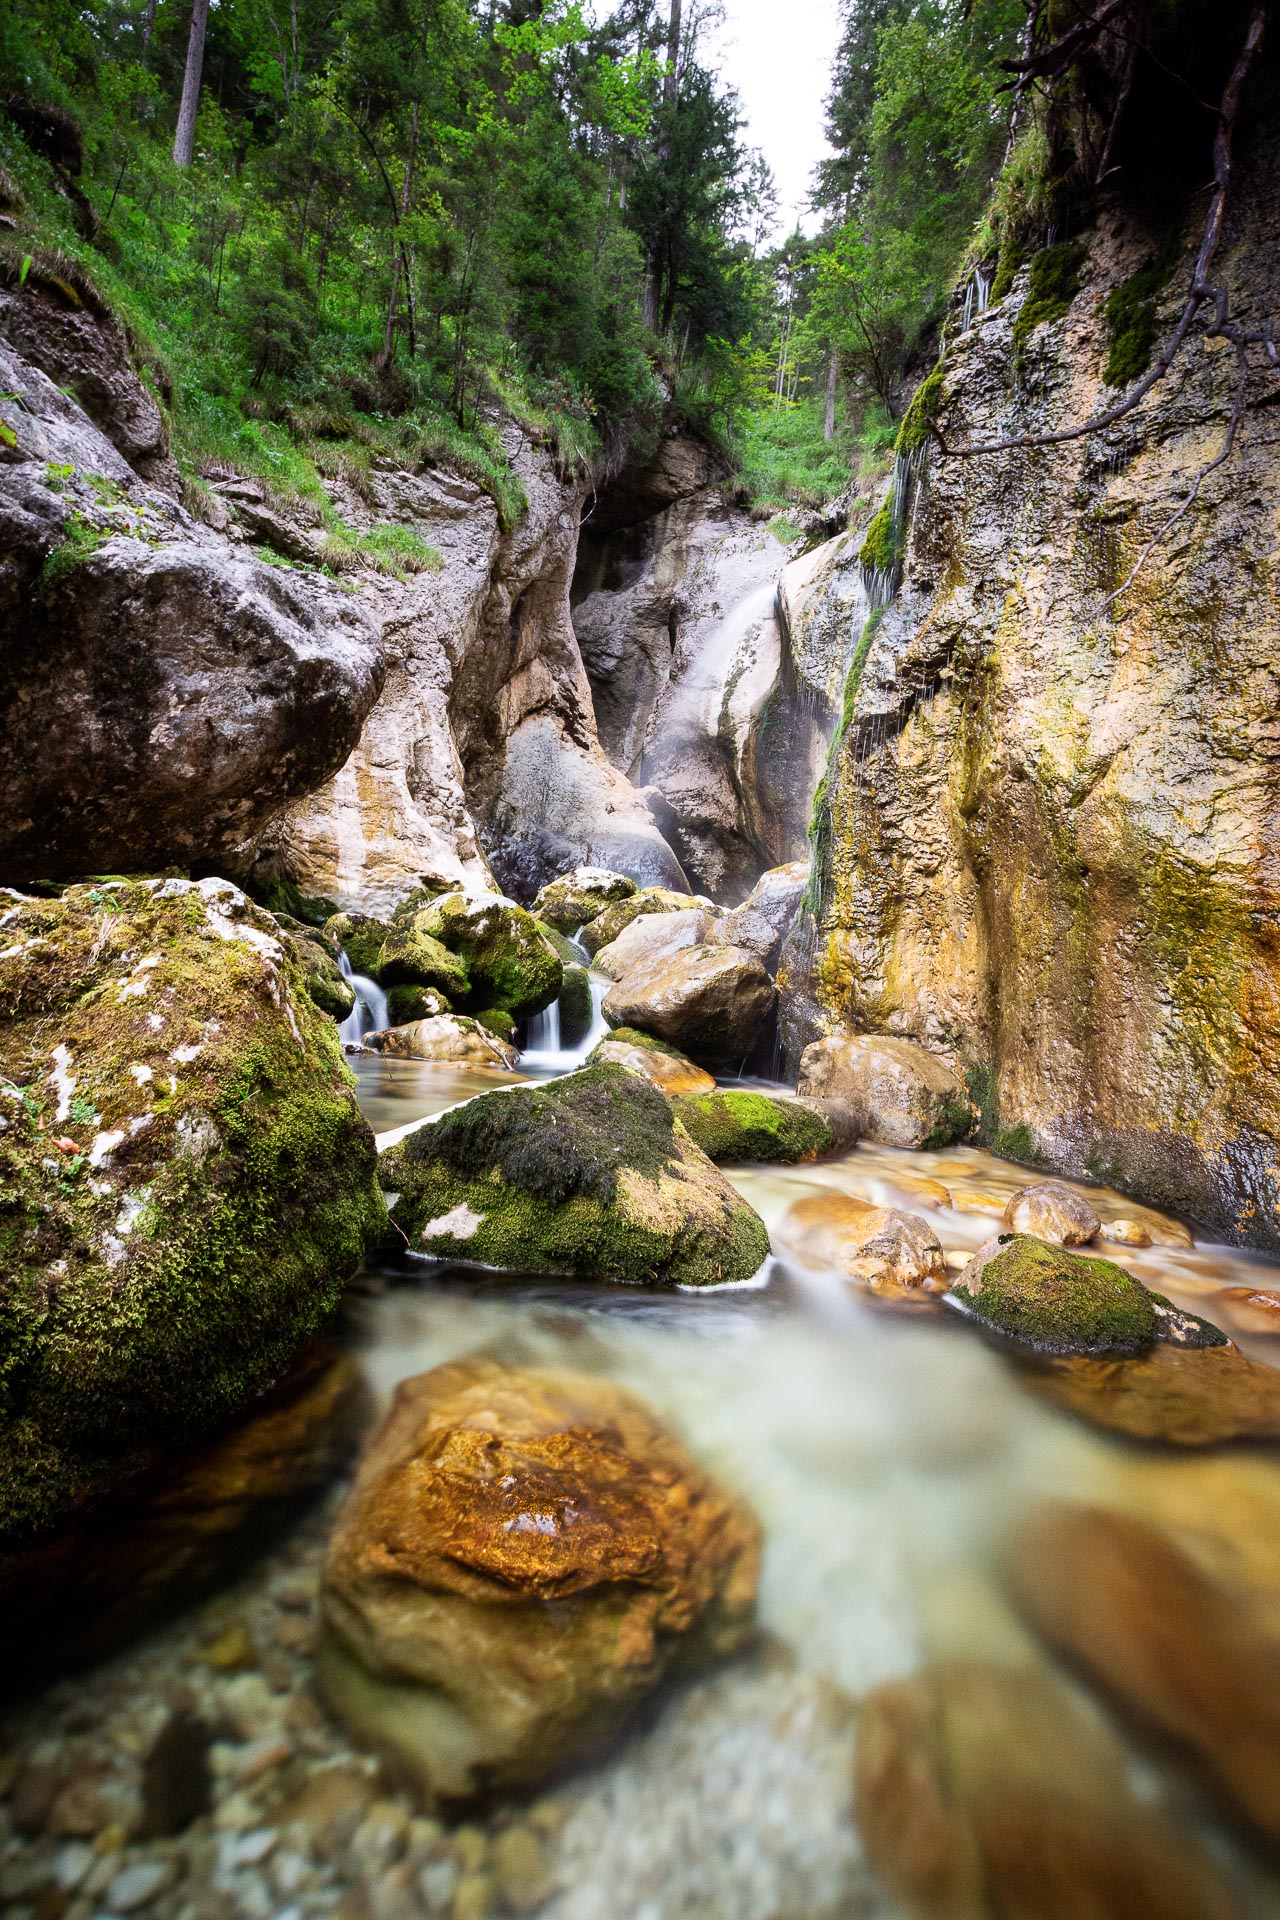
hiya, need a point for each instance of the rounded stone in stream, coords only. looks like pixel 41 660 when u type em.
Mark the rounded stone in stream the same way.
pixel 893 1252
pixel 444 1037
pixel 653 937
pixel 740 1126
pixel 524 1555
pixel 711 1002
pixel 608 925
pixel 1053 1211
pixel 1054 1301
pixel 576 1009
pixel 899 1094
pixel 411 956
pixel 588 1175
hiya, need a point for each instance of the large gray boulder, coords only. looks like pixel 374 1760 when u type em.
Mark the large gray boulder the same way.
pixel 711 1002
pixel 898 1094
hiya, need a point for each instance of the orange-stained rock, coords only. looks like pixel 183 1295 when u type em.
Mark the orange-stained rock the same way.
pixel 669 1071
pixel 1186 1397
pixel 1154 1615
pixel 523 1556
pixel 1053 1211
pixel 1249 1310
pixel 1127 1233
pixel 987 1793
pixel 975 1202
pixel 885 1248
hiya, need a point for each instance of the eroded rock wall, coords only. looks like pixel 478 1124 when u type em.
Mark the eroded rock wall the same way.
pixel 1051 843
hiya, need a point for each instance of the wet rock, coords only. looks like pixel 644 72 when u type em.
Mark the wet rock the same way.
pixel 444 1037
pixel 1126 1233
pixel 1052 1211
pixel 1177 1396
pixel 523 1557
pixel 985 1791
pixel 711 1002
pixel 177 1783
pixel 1249 1309
pixel 651 938
pixel 521 1869
pixel 734 1126
pixel 1156 1620
pixel 138 1884
pixel 1055 1301
pixel 607 926
pixel 588 1175
pixel 318 958
pixel 406 1004
pixel 901 1095
pixel 569 902
pixel 885 1248
pixel 411 957
pixel 166 1031
pixel 653 1061
pixel 577 1010
pixel 510 965
pixel 362 937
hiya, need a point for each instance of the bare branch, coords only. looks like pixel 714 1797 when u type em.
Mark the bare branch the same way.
pixel 1060 53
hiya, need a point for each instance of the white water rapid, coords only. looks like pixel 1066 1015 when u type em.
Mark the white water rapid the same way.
pixel 369 1014
pixel 543 1053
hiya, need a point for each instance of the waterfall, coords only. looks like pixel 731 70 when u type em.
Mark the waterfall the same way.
pixel 977 298
pixel 695 700
pixel 542 1050
pixel 369 1014
pixel 881 583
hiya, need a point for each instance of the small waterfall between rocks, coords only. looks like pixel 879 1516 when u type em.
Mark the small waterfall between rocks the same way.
pixel 370 1013
pixel 543 1053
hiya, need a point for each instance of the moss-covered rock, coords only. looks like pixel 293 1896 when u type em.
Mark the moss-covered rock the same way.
pixel 510 963
pixel 753 1126
pixel 1052 285
pixel 497 1020
pixel 590 1175
pixel 576 1011
pixel 411 956
pixel 652 1060
pixel 608 925
pixel 575 898
pixel 414 1003
pixel 361 937
pixel 325 982
pixel 430 888
pixel 1055 1301
pixel 187 1180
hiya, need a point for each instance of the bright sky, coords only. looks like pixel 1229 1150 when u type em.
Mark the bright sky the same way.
pixel 778 54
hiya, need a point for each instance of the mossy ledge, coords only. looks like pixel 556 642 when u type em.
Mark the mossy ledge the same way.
pixel 590 1176
pixel 739 1126
pixel 186 1181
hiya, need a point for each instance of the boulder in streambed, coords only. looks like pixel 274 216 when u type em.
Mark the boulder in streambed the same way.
pixel 711 1002
pixel 651 938
pixel 1053 1211
pixel 589 1175
pixel 662 1066
pixel 190 1181
pixel 887 1249
pixel 1174 1396
pixel 325 982
pixel 509 962
pixel 361 937
pixel 899 1094
pixel 411 957
pixel 523 1557
pixel 447 1037
pixel 569 902
pixel 776 897
pixel 405 1004
pixel 736 1125
pixel 1057 1302
pixel 750 931
pixel 614 919
pixel 576 1009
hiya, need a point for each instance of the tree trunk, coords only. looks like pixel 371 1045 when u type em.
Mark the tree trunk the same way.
pixel 671 79
pixel 829 414
pixel 184 139
pixel 148 28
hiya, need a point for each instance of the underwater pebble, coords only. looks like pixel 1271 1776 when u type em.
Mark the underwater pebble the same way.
pixel 138 1885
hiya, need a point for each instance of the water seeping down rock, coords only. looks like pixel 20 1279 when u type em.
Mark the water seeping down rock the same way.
pixel 1046 842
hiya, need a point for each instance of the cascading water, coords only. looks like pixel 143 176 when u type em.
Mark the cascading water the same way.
pixel 369 1014
pixel 882 582
pixel 543 1052
pixel 977 298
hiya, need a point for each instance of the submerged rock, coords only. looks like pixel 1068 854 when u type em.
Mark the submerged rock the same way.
pixel 523 1557
pixel 736 1125
pixel 1177 1396
pixel 986 1790
pixel 569 902
pixel 886 1248
pixel 589 1175
pixel 190 1179
pixel 615 919
pixel 653 1061
pixel 447 1037
pixel 900 1095
pixel 510 964
pixel 710 1001
pixel 1053 1211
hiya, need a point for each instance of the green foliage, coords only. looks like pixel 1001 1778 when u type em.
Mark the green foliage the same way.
pixel 1016 1143
pixel 1052 285
pixel 1130 315
pixel 782 460
pixel 80 540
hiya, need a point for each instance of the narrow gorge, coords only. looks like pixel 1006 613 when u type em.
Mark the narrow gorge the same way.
pixel 640 981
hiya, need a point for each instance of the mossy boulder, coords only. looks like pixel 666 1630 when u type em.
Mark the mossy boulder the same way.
pixel 187 1179
pixel 325 982
pixel 412 957
pixel 361 937
pixel 616 918
pixel 414 1003
pixel 569 955
pixel 509 962
pixel 575 898
pixel 1057 1302
pixel 576 1011
pixel 652 1060
pixel 753 1126
pixel 590 1175
pixel 497 1020
pixel 429 888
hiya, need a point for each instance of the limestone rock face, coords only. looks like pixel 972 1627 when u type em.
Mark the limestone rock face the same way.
pixel 181 1091
pixel 711 1002
pixel 523 1557
pixel 1053 1211
pixel 899 1094
pixel 446 1037
pixel 163 695
pixel 1050 825
pixel 588 1175
pixel 886 1248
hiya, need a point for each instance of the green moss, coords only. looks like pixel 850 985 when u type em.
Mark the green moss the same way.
pixel 1130 315
pixel 953 1119
pixel 980 1082
pixel 405 1003
pixel 1059 1302
pixel 1016 1143
pixel 617 918
pixel 80 541
pixel 362 937
pixel 509 961
pixel 498 1021
pixel 567 905
pixel 919 417
pixel 569 955
pixel 585 1176
pixel 751 1126
pixel 412 957
pixel 879 551
pixel 282 896
pixel 632 1037
pixel 576 1011
pixel 1052 285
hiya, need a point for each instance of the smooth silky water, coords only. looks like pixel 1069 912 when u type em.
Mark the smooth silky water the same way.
pixel 887 1456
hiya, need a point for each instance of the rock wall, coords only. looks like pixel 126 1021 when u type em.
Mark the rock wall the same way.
pixel 1050 848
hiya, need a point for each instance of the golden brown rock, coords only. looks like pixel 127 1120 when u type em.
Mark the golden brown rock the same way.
pixel 1052 1211
pixel 1186 1397
pixel 1157 1619
pixel 669 1071
pixel 1127 1233
pixel 523 1556
pixel 1248 1309
pixel 885 1248
pixel 709 1001
pixel 986 1793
